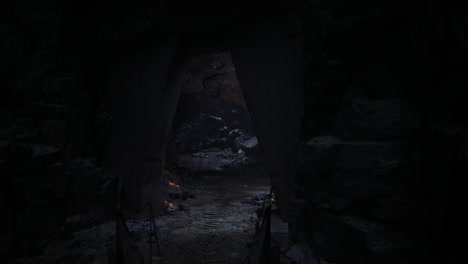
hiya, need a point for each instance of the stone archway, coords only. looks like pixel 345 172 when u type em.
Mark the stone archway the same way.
pixel 146 85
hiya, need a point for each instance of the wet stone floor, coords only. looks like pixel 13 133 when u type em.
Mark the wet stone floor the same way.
pixel 215 225
pixel 219 223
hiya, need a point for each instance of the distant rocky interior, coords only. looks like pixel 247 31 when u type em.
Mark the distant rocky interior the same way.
pixel 212 128
pixel 327 131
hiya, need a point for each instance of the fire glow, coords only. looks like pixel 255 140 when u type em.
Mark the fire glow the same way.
pixel 174 184
pixel 169 205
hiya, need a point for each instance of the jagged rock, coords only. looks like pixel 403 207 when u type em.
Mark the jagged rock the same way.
pixel 86 185
pixel 234 258
pixel 174 195
pixel 38 220
pixel 184 206
pixel 362 176
pixel 215 118
pixel 219 136
pixel 280 232
pixel 58 180
pixel 55 88
pixel 210 160
pixel 90 255
pixel 80 166
pixel 45 155
pixel 109 191
pixel 301 254
pixel 378 119
pixel 346 239
pixel 53 131
pixel 53 111
pixel 5 133
pixel 25 122
pixel 40 110
pixel 250 143
pixel 73 223
pixel 26 137
pixel 19 134
pixel 31 160
pixel 3 150
pixel 261 197
pixel 103 124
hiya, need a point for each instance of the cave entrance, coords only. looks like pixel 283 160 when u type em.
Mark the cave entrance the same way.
pixel 215 180
pixel 146 84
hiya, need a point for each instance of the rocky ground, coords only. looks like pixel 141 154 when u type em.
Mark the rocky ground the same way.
pixel 219 223
pixel 216 225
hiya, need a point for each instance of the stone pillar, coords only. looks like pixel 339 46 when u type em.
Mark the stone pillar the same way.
pixel 267 57
pixel 142 98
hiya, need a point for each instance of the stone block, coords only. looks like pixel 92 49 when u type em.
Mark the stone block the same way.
pixel 377 120
pixel 375 179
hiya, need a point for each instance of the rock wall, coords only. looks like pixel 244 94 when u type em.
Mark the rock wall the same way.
pixel 54 124
pixel 383 134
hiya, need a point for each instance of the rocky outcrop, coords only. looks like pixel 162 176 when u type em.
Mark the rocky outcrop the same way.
pixel 46 184
pixel 360 197
pixel 372 178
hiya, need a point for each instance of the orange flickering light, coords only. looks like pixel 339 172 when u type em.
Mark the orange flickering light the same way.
pixel 173 184
pixel 169 204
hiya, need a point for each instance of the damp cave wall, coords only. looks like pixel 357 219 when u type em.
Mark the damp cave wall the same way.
pixel 384 141
pixel 383 131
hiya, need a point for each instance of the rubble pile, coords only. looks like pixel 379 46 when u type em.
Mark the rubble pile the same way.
pixel 215 135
